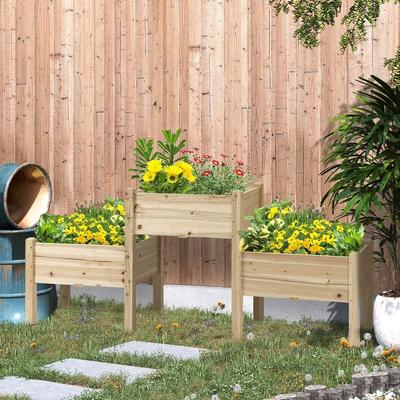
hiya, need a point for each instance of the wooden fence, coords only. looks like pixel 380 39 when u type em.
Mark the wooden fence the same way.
pixel 81 79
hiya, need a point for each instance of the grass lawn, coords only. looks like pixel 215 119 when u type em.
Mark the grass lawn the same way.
pixel 264 366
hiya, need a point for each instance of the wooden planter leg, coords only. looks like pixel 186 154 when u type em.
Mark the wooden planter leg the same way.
pixel 30 283
pixel 129 271
pixel 237 297
pixel 366 279
pixel 258 308
pixel 354 300
pixel 65 296
pixel 158 288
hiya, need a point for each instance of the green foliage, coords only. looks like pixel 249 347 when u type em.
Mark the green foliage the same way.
pixel 219 177
pixel 279 228
pixel 315 15
pixel 102 223
pixel 393 65
pixel 168 151
pixel 364 165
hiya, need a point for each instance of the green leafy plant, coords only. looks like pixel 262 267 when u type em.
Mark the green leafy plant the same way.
pixel 168 150
pixel 102 223
pixel 314 16
pixel 279 228
pixel 363 167
pixel 219 176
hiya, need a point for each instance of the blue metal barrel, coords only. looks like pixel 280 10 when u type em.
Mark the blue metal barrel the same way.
pixel 12 279
pixel 25 194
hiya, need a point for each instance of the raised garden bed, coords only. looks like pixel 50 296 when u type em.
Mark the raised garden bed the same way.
pixel 95 265
pixel 344 279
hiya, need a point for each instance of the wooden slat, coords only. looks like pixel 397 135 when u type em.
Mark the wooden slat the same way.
pixel 183 215
pixel 81 252
pixel 294 290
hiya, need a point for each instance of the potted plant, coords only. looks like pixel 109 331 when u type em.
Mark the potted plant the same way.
pixel 363 167
pixel 185 194
pixel 302 255
pixel 94 246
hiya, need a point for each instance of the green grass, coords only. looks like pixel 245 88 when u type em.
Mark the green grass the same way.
pixel 263 367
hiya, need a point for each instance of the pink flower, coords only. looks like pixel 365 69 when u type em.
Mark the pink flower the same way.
pixel 215 162
pixel 239 172
pixel 207 172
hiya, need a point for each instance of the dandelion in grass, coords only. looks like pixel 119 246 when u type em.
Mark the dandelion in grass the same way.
pixel 215 397
pixel 363 343
pixel 376 368
pixel 308 333
pixel 345 343
pixel 193 396
pixel 376 354
pixel 367 336
pixel 33 345
pixel 250 336
pixel 308 378
pixel 159 327
pixel 364 355
pixel 237 389
pixel 294 344
pixel 175 324
pixel 341 374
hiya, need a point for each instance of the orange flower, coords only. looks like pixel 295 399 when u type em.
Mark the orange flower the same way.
pixel 388 352
pixel 33 345
pixel 175 324
pixel 159 327
pixel 345 343
pixel 294 344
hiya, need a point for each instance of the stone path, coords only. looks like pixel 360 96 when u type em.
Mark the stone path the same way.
pixel 154 349
pixel 39 390
pixel 98 370
pixel 45 390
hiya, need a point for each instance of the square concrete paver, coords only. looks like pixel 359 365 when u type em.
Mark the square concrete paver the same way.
pixel 97 370
pixel 39 390
pixel 152 349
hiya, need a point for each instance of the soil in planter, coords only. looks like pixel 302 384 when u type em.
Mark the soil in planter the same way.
pixel 391 293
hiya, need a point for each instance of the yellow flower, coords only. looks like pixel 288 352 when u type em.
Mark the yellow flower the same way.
pixel 154 166
pixel 173 172
pixel 159 327
pixel 315 248
pixel 33 345
pixel 109 207
pixel 60 220
pixel 80 239
pixel 121 209
pixel 149 176
pixel 175 324
pixel 345 343
pixel 340 228
pixel 242 245
pixel 184 166
pixel 189 176
pixel 294 344
pixel 272 212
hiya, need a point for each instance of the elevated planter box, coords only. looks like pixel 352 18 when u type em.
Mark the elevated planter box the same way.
pixel 194 215
pixel 95 265
pixel 308 277
pixel 200 216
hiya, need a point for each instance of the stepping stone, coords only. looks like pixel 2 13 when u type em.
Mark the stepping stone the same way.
pixel 97 370
pixel 154 349
pixel 39 390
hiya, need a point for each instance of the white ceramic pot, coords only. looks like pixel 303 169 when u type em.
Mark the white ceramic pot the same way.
pixel 387 321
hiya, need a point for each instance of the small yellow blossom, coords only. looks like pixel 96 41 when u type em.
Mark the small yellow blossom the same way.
pixel 175 324
pixel 159 327
pixel 154 166
pixel 294 344
pixel 149 176
pixel 173 173
pixel 345 343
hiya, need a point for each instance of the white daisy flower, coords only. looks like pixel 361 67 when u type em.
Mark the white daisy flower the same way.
pixel 367 336
pixel 308 378
pixel 250 336
pixel 364 355
pixel 341 373
pixel 237 388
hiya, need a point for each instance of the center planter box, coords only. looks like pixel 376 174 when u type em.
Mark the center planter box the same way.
pixel 344 279
pixel 95 265
pixel 200 216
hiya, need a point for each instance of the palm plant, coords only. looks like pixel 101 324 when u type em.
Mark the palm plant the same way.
pixel 363 167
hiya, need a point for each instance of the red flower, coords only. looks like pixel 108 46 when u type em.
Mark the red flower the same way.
pixel 207 157
pixel 215 162
pixel 197 160
pixel 240 163
pixel 239 172
pixel 207 172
